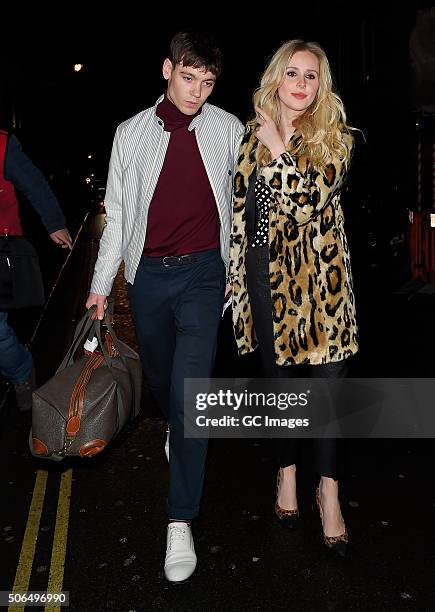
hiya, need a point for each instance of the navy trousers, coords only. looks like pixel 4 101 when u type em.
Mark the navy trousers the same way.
pixel 176 312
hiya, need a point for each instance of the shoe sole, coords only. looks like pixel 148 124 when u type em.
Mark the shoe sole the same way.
pixel 177 582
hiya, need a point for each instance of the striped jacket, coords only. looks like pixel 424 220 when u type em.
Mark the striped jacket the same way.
pixel 138 154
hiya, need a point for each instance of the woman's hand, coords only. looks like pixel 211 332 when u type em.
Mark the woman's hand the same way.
pixel 268 134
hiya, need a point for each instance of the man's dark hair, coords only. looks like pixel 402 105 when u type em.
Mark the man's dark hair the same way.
pixel 197 50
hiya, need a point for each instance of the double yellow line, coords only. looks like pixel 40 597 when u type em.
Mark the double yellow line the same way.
pixel 58 553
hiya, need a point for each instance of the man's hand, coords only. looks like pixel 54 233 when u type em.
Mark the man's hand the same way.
pixel 62 238
pixel 100 301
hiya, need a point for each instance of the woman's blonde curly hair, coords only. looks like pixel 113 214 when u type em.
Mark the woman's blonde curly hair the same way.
pixel 322 126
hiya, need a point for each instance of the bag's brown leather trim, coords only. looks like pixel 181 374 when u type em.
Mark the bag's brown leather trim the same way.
pixel 92 448
pixel 73 406
pixel 73 425
pixel 78 394
pixel 110 346
pixel 39 447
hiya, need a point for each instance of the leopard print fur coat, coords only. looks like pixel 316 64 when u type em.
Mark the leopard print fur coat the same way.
pixel 312 298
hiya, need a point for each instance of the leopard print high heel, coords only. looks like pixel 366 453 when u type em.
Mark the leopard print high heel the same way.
pixel 287 518
pixel 339 543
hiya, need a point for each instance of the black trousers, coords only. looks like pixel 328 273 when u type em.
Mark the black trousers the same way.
pixel 176 312
pixel 325 450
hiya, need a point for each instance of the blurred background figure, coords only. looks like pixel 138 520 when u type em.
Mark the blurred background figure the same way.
pixel 18 172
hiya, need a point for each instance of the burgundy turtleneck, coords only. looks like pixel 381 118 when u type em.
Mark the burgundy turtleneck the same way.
pixel 183 216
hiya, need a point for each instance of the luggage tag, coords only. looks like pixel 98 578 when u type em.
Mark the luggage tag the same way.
pixel 90 345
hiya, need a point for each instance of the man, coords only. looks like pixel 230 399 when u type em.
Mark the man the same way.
pixel 18 172
pixel 168 203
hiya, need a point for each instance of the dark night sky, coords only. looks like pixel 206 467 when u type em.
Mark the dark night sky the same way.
pixel 63 115
pixel 123 54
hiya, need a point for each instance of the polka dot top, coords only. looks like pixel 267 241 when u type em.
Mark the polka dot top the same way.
pixel 263 196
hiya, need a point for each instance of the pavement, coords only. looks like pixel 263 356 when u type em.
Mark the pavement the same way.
pixel 96 528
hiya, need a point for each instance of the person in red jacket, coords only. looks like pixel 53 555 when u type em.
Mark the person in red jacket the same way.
pixel 18 172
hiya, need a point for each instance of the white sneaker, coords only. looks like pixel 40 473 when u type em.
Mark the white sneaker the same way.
pixel 180 561
pixel 167 444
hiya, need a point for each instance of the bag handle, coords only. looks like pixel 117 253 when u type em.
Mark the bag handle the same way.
pixel 83 328
pixel 87 326
pixel 114 337
pixel 90 327
pixel 115 341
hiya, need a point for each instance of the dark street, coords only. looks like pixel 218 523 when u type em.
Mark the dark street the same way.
pixel 96 527
pixel 114 525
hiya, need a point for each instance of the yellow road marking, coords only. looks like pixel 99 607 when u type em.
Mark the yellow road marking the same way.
pixel 25 563
pixel 55 578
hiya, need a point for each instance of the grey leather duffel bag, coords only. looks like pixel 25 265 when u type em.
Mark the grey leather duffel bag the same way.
pixel 88 401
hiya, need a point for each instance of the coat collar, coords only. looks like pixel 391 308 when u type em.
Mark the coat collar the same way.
pixel 196 122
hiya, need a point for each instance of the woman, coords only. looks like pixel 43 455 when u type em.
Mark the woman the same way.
pixel 290 266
